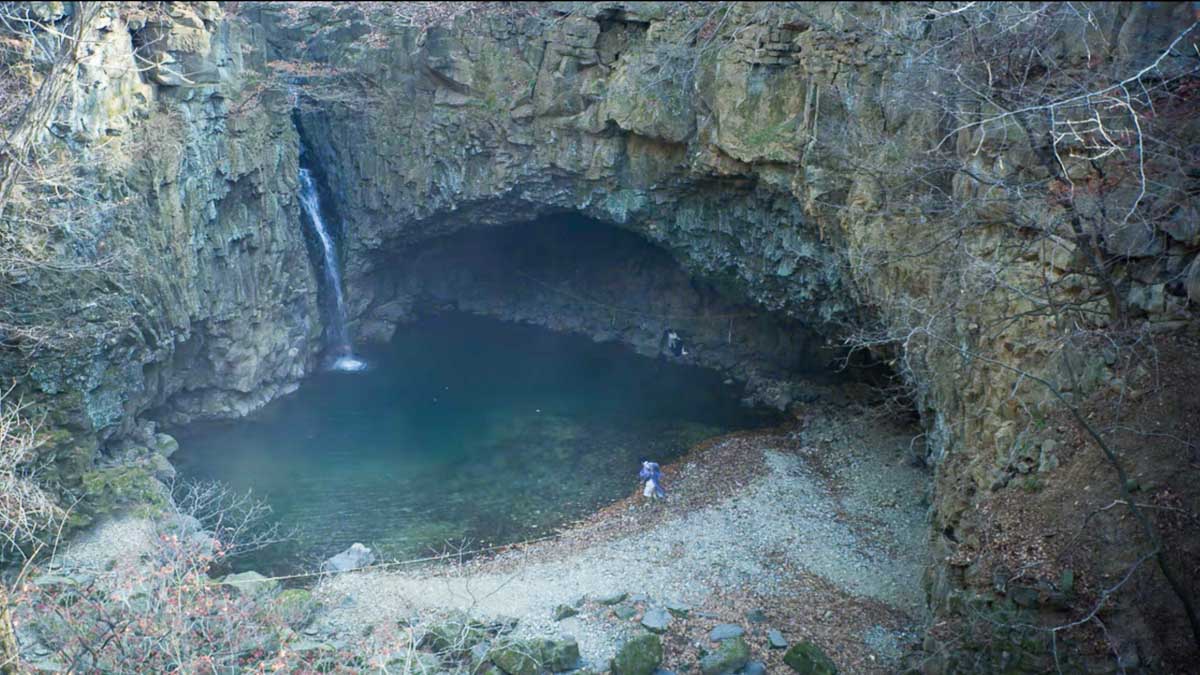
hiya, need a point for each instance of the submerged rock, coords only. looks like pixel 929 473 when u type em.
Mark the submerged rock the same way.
pixel 351 559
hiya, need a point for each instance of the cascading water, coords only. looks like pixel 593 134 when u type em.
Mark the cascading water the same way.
pixel 310 200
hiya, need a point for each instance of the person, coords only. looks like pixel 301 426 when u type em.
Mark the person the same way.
pixel 652 475
pixel 672 343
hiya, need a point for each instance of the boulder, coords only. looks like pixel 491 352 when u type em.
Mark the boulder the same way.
pixel 807 659
pixel 528 657
pixel 250 583
pixel 640 655
pixel 351 559
pixel 728 658
pixel 456 635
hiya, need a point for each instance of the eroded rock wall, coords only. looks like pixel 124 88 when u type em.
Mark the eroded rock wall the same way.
pixel 757 142
pixel 195 238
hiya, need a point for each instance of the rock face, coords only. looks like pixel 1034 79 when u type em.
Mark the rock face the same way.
pixel 759 150
pixel 206 308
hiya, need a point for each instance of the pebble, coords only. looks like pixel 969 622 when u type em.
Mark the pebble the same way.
pixel 725 631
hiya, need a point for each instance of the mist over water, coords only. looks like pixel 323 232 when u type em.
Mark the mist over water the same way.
pixel 464 428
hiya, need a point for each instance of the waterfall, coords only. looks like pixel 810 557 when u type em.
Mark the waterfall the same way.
pixel 310 200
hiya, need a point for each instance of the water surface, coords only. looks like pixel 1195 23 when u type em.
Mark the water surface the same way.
pixel 462 429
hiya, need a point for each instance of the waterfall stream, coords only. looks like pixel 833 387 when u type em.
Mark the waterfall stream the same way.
pixel 310 200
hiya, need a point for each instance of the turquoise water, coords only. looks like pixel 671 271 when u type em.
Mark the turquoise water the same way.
pixel 464 429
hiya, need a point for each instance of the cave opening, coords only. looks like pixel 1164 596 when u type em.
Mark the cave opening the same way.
pixel 519 375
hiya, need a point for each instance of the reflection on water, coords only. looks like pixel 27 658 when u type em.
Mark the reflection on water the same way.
pixel 464 428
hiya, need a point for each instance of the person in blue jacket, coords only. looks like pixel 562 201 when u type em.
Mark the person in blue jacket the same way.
pixel 652 475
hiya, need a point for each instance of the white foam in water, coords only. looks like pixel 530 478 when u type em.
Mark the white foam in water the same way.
pixel 349 363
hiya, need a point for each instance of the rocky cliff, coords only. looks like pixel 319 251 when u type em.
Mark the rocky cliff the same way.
pixel 778 151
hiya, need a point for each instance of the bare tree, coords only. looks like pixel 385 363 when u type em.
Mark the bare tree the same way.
pixel 1037 231
pixel 26 510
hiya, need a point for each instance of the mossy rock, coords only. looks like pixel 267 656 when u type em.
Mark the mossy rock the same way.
pixel 728 658
pixel 516 658
pixel 639 655
pixel 807 659
pixel 456 635
pixel 527 657
pixel 297 606
pixel 107 491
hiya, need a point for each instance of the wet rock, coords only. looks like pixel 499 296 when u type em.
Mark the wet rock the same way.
pixel 728 658
pixel 776 640
pixel 656 620
pixel 807 659
pixel 725 631
pixel 640 655
pixel 563 611
pixel 756 616
pixel 351 559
